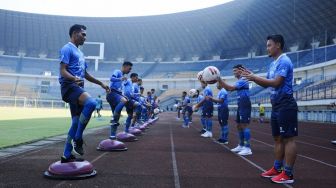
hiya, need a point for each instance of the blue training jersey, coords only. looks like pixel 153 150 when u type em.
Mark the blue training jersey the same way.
pixel 115 80
pixel 281 67
pixel 99 103
pixel 128 89
pixel 136 91
pixel 242 87
pixel 207 92
pixel 222 94
pixel 74 59
pixel 186 101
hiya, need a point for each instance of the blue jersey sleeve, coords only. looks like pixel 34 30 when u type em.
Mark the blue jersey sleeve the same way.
pixel 241 84
pixel 283 68
pixel 65 54
pixel 116 76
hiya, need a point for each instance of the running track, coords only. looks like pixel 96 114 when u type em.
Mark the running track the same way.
pixel 171 156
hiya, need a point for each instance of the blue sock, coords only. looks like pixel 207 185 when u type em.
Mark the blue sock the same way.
pixel 203 123
pixel 209 125
pixel 117 112
pixel 247 136
pixel 241 138
pixel 288 170
pixel 225 132
pixel 186 120
pixel 128 123
pixel 277 165
pixel 89 107
pixel 114 128
pixel 71 135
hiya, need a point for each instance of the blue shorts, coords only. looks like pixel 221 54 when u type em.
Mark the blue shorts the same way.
pixel 207 110
pixel 223 115
pixel 187 110
pixel 130 106
pixel 70 94
pixel 113 98
pixel 244 111
pixel 284 119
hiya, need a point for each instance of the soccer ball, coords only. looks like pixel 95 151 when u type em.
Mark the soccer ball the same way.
pixel 156 111
pixel 200 75
pixel 210 74
pixel 192 92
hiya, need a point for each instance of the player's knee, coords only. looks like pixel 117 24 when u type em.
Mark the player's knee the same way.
pixel 91 103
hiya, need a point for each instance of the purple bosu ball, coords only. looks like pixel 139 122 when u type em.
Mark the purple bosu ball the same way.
pixel 135 131
pixel 111 145
pixel 70 170
pixel 126 137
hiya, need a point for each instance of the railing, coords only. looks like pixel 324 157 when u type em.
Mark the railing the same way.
pixel 10 101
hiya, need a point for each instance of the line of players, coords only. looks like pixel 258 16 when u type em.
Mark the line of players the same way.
pixel 204 102
pixel 284 120
pixel 122 92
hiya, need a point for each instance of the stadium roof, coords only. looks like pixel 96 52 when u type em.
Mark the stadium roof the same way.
pixel 229 30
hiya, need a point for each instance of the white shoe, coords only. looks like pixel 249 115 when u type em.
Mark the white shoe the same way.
pixel 245 151
pixel 237 149
pixel 333 142
pixel 185 126
pixel 207 134
pixel 210 134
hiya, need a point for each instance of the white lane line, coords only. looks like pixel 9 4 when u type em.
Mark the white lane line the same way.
pixel 247 160
pixel 306 157
pixel 302 142
pixel 176 176
pixel 244 158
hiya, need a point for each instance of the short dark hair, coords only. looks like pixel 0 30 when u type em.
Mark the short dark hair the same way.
pixel 127 63
pixel 139 79
pixel 238 66
pixel 184 92
pixel 277 39
pixel 134 75
pixel 76 28
pixel 152 89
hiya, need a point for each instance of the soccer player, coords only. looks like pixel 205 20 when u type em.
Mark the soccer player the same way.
pixel 261 113
pixel 207 109
pixel 223 113
pixel 131 102
pixel 115 98
pixel 99 106
pixel 136 92
pixel 145 105
pixel 284 120
pixel 71 78
pixel 243 111
pixel 186 109
pixel 199 98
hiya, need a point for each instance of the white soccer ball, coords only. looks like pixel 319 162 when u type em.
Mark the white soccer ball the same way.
pixel 200 75
pixel 156 111
pixel 210 74
pixel 192 93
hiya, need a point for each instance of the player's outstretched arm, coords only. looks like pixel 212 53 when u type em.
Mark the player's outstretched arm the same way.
pixel 98 82
pixel 264 82
pixel 225 85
